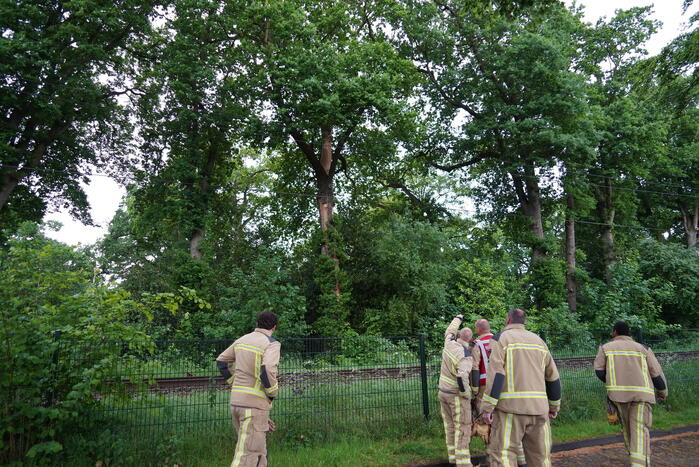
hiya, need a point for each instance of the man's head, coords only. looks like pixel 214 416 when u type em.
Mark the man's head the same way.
pixel 621 329
pixel 515 316
pixel 267 320
pixel 466 335
pixel 482 327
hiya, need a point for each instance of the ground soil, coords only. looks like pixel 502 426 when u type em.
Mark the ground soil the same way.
pixel 672 450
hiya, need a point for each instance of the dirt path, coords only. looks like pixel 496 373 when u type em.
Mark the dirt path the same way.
pixel 671 450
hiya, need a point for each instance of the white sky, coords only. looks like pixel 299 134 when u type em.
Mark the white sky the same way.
pixel 105 194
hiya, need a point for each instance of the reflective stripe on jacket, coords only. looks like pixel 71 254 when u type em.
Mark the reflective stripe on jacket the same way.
pixel 253 360
pixel 481 356
pixel 630 370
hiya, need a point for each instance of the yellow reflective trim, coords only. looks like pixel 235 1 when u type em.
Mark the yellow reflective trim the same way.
pixel 457 420
pixel 558 402
pixel 639 428
pixel 547 444
pixel 249 348
pixel 628 353
pixel 510 370
pixel 524 345
pixel 506 439
pixel 644 370
pixel 242 437
pixel 447 380
pixel 247 390
pixel 524 395
pixel 446 430
pixel 490 400
pixel 273 388
pixel 630 388
pixel 612 371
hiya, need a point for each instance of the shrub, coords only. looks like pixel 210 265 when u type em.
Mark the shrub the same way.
pixel 48 290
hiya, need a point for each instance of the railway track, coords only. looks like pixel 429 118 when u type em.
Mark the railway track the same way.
pixel 301 380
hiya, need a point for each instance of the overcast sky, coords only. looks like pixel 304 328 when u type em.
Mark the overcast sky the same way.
pixel 105 195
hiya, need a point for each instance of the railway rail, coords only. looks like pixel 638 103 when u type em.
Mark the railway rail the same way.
pixel 307 378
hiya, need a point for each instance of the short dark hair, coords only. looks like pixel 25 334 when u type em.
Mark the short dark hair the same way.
pixel 517 315
pixel 621 328
pixel 267 320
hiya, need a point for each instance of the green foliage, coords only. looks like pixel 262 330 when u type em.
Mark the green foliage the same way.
pixel 401 271
pixel 482 292
pixel 547 276
pixel 674 272
pixel 334 293
pixel 64 65
pixel 266 287
pixel 628 296
pixel 50 294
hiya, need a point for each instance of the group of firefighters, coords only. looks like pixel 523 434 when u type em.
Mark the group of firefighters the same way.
pixel 503 387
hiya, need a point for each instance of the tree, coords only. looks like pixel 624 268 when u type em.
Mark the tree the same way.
pixel 630 129
pixel 64 65
pixel 509 110
pixel 190 118
pixel 329 82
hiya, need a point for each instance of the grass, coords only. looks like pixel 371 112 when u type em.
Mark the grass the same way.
pixel 339 422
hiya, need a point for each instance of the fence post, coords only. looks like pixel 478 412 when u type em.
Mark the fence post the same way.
pixel 423 378
pixel 54 363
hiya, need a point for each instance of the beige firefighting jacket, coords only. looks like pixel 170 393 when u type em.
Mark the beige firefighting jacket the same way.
pixel 522 377
pixel 456 363
pixel 630 371
pixel 252 361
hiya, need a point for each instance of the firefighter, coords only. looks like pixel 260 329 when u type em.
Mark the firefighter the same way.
pixel 454 392
pixel 633 378
pixel 481 363
pixel 249 365
pixel 481 357
pixel 522 392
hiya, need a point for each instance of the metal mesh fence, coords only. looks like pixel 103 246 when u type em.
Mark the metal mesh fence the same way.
pixel 336 384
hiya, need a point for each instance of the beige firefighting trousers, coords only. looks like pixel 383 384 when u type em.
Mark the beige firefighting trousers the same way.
pixel 521 460
pixel 509 430
pixel 252 426
pixel 456 415
pixel 636 419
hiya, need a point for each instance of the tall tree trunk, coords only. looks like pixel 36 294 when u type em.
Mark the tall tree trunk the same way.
pixel 690 219
pixel 529 198
pixel 9 183
pixel 571 286
pixel 194 242
pixel 606 213
pixel 528 195
pixel 204 187
pixel 324 181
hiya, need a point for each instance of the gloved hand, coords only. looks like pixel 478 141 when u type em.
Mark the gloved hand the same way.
pixel 272 425
pixel 461 317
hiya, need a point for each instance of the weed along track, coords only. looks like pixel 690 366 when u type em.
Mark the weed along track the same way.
pixel 299 381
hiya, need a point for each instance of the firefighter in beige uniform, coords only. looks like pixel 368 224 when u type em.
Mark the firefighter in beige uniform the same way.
pixel 523 391
pixel 633 378
pixel 481 363
pixel 254 358
pixel 455 394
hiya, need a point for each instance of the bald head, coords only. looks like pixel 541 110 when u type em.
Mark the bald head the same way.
pixel 516 316
pixel 466 335
pixel 482 327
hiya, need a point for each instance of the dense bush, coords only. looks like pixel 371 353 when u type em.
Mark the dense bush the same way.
pixel 49 294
